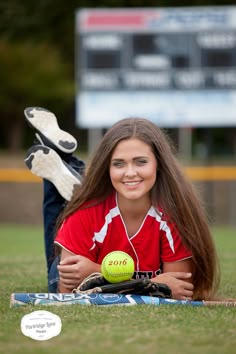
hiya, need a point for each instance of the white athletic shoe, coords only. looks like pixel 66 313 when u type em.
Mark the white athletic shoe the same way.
pixel 46 163
pixel 48 131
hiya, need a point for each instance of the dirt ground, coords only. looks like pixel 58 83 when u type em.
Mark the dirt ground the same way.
pixel 20 203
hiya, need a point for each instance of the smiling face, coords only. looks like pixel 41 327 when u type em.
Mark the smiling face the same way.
pixel 133 169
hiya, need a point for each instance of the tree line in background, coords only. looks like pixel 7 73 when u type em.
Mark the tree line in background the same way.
pixel 37 59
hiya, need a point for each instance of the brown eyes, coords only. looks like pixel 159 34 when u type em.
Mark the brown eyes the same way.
pixel 141 162
pixel 117 163
pixel 138 162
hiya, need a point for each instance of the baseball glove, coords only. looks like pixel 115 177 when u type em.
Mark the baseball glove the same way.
pixel 96 283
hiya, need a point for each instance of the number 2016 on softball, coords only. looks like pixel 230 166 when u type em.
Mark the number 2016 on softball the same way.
pixel 116 262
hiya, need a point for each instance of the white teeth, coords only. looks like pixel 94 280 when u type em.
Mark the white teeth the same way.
pixel 131 183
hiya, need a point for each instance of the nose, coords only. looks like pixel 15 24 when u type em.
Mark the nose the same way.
pixel 130 171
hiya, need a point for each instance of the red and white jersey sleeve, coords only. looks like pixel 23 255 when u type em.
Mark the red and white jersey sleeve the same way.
pixel 98 230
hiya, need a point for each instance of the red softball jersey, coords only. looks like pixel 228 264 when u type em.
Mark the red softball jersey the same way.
pixel 95 231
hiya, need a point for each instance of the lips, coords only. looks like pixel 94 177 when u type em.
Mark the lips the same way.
pixel 132 184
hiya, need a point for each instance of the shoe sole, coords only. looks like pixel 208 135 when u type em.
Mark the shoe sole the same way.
pixel 45 122
pixel 46 163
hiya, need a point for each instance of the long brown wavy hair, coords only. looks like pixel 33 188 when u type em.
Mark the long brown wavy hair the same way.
pixel 172 191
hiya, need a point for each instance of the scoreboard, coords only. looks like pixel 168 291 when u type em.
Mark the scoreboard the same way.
pixel 174 66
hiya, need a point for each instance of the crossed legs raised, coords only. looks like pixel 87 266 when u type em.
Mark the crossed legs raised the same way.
pixel 51 159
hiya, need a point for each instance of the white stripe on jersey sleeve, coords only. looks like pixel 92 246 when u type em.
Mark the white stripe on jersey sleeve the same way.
pixel 100 235
pixel 163 226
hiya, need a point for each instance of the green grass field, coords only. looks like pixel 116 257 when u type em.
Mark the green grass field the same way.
pixel 133 329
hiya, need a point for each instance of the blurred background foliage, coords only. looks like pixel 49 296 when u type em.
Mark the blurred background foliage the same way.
pixel 37 60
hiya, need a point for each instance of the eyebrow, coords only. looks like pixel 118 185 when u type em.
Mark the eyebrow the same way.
pixel 135 158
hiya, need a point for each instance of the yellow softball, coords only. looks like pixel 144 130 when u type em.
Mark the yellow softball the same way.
pixel 117 266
